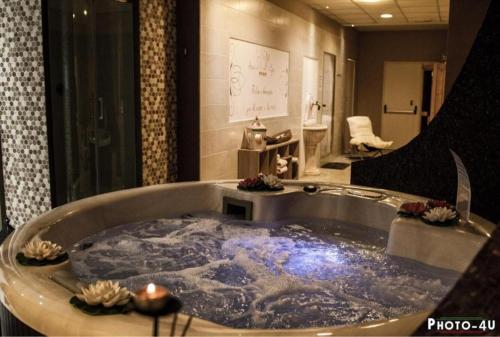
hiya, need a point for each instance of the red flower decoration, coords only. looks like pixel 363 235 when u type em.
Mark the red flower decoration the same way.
pixel 414 208
pixel 438 203
pixel 252 184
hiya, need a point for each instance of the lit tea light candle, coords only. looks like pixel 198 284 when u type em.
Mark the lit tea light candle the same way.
pixel 151 298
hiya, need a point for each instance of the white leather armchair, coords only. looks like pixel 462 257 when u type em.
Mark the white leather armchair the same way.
pixel 363 139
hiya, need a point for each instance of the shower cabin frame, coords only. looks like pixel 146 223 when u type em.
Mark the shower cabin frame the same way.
pixel 332 95
pixel 54 151
pixel 4 222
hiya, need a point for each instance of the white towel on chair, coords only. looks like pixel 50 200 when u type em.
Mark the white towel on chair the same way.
pixel 361 131
pixel 372 141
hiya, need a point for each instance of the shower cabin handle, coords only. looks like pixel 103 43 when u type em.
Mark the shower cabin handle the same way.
pixel 100 102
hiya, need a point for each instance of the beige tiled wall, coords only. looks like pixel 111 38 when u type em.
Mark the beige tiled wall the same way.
pixel 264 23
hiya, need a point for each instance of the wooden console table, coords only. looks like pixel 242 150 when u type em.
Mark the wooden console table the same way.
pixel 253 162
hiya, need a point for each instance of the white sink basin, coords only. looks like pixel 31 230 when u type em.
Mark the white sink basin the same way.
pixel 315 127
pixel 313 135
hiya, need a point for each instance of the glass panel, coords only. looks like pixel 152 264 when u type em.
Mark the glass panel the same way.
pixel 2 197
pixel 92 96
pixel 349 91
pixel 115 123
pixel 328 103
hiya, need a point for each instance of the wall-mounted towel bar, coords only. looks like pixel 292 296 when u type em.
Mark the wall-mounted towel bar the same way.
pixel 401 112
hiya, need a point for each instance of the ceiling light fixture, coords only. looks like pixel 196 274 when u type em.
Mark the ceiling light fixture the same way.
pixel 386 16
pixel 327 7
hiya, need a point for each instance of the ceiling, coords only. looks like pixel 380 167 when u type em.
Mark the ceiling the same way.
pixel 365 14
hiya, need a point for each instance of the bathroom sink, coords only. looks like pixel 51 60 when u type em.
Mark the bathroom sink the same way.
pixel 315 127
pixel 313 135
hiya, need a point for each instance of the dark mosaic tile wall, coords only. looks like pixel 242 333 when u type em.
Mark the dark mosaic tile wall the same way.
pixel 22 111
pixel 158 92
pixel 468 123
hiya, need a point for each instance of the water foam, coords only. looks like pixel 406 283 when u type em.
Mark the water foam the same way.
pixel 290 274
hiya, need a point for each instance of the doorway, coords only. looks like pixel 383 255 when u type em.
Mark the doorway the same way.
pixel 413 93
pixel 402 98
pixel 93 109
pixel 328 104
pixel 348 104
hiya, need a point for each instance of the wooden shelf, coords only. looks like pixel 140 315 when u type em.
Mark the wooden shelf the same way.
pixel 253 162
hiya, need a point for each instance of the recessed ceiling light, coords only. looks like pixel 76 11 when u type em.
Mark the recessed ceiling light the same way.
pixel 386 16
pixel 327 7
pixel 352 25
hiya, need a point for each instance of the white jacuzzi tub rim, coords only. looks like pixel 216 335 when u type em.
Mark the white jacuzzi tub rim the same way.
pixel 10 270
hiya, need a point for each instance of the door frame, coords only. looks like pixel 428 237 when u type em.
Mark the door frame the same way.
pixel 3 214
pixel 346 133
pixel 334 75
pixel 188 90
pixel 48 100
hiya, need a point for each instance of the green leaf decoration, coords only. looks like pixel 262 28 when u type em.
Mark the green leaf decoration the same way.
pixel 448 223
pixel 408 215
pixel 99 310
pixel 262 189
pixel 26 261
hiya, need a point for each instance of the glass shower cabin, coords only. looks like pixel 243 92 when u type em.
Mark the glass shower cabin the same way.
pixel 91 56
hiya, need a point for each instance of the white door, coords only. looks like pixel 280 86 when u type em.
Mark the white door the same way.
pixel 402 97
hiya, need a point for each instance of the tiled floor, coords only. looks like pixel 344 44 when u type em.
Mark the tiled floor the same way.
pixel 333 176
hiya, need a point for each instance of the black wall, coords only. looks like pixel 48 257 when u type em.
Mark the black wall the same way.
pixel 468 123
pixel 188 89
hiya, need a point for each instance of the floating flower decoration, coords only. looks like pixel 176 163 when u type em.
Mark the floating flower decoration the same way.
pixel 252 184
pixel 440 214
pixel 413 208
pixel 261 183
pixel 42 250
pixel 432 212
pixel 438 203
pixel 107 293
pixel 272 181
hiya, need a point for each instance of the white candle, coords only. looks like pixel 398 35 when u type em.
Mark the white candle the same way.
pixel 151 298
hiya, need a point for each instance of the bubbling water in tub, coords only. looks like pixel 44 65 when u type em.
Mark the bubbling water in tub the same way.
pixel 288 274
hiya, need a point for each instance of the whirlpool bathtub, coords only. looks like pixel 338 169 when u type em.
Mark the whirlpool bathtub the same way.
pixel 334 262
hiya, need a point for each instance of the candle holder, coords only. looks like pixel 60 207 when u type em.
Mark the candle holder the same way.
pixel 156 301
